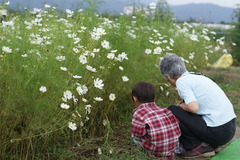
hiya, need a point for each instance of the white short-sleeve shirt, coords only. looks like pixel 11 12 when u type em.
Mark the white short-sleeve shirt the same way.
pixel 214 106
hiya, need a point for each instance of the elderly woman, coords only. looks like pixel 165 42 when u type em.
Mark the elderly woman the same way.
pixel 207 118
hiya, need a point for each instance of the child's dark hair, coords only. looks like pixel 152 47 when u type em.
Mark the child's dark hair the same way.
pixel 144 91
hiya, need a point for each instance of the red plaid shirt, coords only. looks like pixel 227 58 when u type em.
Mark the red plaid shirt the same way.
pixel 157 129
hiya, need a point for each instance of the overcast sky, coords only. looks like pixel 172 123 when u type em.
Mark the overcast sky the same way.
pixel 225 3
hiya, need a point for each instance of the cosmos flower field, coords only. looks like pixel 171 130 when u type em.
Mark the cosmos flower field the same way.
pixel 66 76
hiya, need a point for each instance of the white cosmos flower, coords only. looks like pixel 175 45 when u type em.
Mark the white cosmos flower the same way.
pixel 63 68
pixel 60 47
pixel 168 48
pixel 43 89
pixel 88 108
pixel 64 106
pixel 75 100
pixel 96 50
pixel 221 42
pixel 83 27
pixel 64 99
pixel 217 48
pixel 206 38
pixel 72 126
pixel 78 114
pixel 98 83
pixel 105 44
pixel 98 99
pixel 77 77
pixel 225 51
pixel 161 88
pixel 92 54
pixel 112 96
pixel 125 78
pixel 167 93
pixel 194 37
pixel 110 151
pixel 69 12
pixel 171 41
pixel 110 55
pixel 6 49
pixel 24 55
pixel 84 100
pixel 157 50
pixel 60 58
pixel 95 36
pixel 76 50
pixel 82 89
pixel 212 32
pixel 47 6
pixel 87 119
pixel 164 41
pixel 7 3
pixel 67 94
pixel 99 151
pixel 7 23
pixel 191 55
pixel 102 67
pixel 157 42
pixel 99 31
pixel 76 40
pixel 123 56
pixel 83 59
pixel 121 68
pixel 148 51
pixel 166 84
pixel 153 5
pixel 104 122
pixel 90 68
pixel 206 57
pixel 74 116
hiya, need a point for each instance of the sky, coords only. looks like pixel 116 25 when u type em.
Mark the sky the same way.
pixel 224 3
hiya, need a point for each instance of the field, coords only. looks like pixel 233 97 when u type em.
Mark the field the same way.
pixel 66 78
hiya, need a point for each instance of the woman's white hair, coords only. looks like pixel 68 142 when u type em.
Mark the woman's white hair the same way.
pixel 172 65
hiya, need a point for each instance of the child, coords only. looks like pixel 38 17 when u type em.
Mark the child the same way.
pixel 155 129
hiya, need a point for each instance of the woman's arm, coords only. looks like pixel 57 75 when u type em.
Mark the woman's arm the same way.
pixel 191 107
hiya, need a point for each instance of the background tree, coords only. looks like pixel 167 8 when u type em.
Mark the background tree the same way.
pixel 163 11
pixel 236 36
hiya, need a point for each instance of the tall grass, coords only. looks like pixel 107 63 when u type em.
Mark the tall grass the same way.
pixel 42 48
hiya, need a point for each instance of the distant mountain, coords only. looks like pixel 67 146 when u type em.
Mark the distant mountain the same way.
pixel 113 6
pixel 205 12
pixel 208 12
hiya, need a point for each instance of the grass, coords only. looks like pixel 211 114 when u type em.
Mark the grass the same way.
pixel 33 124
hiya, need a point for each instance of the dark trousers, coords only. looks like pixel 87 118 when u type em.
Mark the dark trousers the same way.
pixel 195 130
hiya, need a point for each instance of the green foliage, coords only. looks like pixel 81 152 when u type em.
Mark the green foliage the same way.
pixel 236 37
pixel 66 78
